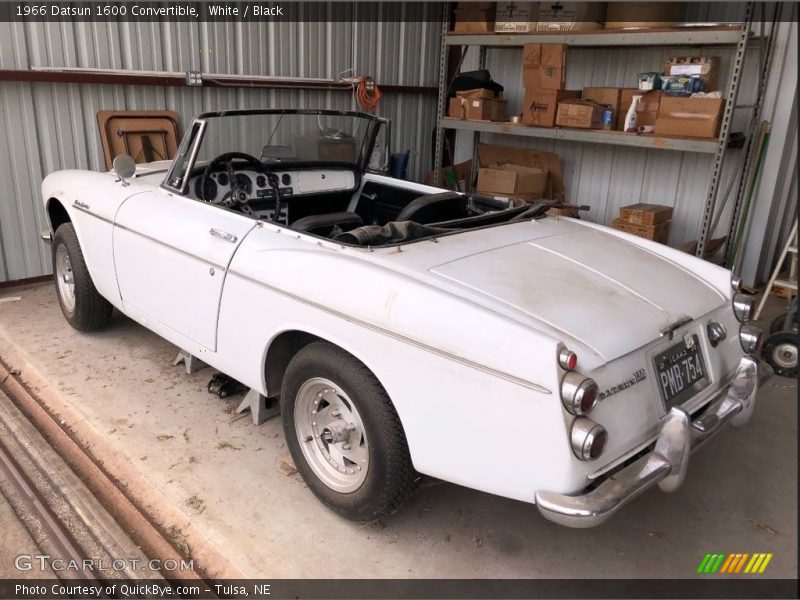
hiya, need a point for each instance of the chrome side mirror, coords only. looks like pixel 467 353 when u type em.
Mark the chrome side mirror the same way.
pixel 124 167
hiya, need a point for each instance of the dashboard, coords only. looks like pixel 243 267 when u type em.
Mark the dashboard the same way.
pixel 255 184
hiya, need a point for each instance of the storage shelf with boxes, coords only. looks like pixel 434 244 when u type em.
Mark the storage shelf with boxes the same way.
pixel 592 136
pixel 679 106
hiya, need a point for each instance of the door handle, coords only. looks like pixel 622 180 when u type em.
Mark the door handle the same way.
pixel 223 235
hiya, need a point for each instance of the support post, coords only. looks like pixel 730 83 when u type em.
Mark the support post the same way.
pixel 261 407
pixel 191 362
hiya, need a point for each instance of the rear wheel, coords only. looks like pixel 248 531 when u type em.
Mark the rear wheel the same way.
pixel 82 305
pixel 344 434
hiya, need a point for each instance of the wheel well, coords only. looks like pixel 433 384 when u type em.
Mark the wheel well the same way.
pixel 281 351
pixel 56 213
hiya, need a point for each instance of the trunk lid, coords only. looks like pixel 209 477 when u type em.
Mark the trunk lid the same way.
pixel 605 293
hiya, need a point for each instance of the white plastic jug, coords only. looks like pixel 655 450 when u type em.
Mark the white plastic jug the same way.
pixel 630 118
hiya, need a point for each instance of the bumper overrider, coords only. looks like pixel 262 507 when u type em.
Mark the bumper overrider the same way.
pixel 666 465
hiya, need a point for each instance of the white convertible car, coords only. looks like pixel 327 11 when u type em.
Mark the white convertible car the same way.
pixel 407 329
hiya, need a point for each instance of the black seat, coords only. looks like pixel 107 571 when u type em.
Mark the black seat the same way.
pixel 325 224
pixel 433 208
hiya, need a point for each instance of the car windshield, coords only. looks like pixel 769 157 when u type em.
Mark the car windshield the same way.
pixel 281 137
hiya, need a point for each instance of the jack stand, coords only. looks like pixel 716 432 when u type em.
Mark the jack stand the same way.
pixel 192 363
pixel 261 407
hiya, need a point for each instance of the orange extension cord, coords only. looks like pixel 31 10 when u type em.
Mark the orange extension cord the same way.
pixel 366 92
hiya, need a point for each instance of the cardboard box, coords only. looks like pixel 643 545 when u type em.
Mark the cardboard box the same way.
pixel 606 96
pixel 474 20
pixel 641 15
pixel 455 177
pixel 492 154
pixel 512 180
pixel 581 114
pixel 476 93
pixel 456 108
pixel 570 16
pixel 645 214
pixel 658 233
pixel 499 110
pixel 689 117
pixel 648 107
pixel 540 106
pixel 479 109
pixel 563 211
pixel 705 67
pixel 544 66
pixel 515 17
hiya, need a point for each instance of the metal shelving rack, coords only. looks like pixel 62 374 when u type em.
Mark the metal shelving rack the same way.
pixel 737 36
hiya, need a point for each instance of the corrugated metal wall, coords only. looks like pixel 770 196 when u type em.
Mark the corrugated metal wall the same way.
pixel 608 177
pixel 46 127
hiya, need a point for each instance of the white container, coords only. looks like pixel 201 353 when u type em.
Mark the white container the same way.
pixel 630 118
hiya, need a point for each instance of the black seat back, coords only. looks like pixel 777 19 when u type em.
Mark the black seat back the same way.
pixel 324 224
pixel 433 208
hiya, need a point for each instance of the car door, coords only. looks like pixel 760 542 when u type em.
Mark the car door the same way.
pixel 171 256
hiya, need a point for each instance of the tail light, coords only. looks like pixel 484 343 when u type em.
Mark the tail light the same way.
pixel 743 307
pixel 588 439
pixel 750 338
pixel 567 359
pixel 579 394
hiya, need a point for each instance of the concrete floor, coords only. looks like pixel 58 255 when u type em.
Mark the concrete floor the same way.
pixel 217 478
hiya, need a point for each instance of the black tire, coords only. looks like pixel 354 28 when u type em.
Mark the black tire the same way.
pixel 91 312
pixel 391 478
pixel 779 321
pixel 780 351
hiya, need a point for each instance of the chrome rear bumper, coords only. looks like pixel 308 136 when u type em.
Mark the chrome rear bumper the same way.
pixel 666 465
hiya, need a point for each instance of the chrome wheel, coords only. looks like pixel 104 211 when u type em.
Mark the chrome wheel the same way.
pixel 785 356
pixel 331 435
pixel 65 280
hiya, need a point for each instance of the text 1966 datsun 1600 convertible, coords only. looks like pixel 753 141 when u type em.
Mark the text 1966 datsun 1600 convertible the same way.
pixel 407 329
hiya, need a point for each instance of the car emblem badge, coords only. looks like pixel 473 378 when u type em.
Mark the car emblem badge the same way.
pixel 639 375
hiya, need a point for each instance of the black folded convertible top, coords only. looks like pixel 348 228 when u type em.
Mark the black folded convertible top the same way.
pixel 392 233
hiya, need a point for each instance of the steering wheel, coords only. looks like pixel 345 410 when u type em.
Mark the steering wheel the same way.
pixel 238 197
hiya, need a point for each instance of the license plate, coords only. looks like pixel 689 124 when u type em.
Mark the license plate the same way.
pixel 681 372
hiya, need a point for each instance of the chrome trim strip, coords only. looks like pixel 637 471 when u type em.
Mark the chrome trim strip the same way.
pixel 171 247
pixel 152 239
pixel 77 206
pixel 398 336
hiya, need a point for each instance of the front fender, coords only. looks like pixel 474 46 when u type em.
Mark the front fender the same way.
pixel 91 201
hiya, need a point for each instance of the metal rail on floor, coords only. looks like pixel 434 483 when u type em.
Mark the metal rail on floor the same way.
pixel 103 486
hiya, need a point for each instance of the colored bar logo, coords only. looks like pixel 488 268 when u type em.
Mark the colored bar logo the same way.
pixel 734 563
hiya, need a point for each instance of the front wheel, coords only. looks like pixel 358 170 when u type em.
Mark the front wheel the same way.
pixel 82 305
pixel 344 434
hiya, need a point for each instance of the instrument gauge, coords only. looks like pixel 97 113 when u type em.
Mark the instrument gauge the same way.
pixel 243 182
pixel 207 193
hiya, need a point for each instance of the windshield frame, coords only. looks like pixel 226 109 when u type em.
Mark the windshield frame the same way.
pixel 193 138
